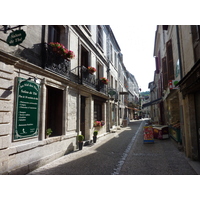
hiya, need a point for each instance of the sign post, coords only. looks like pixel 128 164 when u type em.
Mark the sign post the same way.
pixel 27 109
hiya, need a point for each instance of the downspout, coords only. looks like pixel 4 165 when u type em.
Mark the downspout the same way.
pixel 108 75
pixel 179 50
pixel 43 48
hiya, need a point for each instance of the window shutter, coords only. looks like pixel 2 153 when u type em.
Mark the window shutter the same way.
pixel 100 36
pixel 170 63
pixel 164 70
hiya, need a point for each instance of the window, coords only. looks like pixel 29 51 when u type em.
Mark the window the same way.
pixel 195 32
pixel 97 110
pixel 53 33
pixel 54 110
pixel 158 63
pixel 111 53
pixel 196 42
pixel 99 72
pixel 170 62
pixel 84 57
pixel 88 27
pixel 100 36
pixel 115 84
pixel 116 60
pixel 164 70
pixel 111 81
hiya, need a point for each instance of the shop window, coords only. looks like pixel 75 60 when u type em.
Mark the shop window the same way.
pixel 98 110
pixel 53 33
pixel 54 110
pixel 100 36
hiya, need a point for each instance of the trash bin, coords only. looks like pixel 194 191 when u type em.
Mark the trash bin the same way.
pixel 148 134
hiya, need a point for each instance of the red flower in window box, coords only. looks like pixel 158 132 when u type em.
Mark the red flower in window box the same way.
pixel 97 123
pixel 61 50
pixel 104 80
pixel 91 70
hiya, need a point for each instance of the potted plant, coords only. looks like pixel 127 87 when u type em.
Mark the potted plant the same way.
pixel 91 70
pixel 80 141
pixel 48 132
pixel 104 80
pixel 95 133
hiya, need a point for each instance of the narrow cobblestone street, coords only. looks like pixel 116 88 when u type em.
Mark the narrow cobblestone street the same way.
pixel 122 153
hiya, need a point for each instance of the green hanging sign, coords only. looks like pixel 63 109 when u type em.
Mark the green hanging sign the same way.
pixel 27 109
pixel 16 37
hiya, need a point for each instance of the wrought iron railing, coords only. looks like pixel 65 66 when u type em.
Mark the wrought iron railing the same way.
pixel 55 62
pixel 59 65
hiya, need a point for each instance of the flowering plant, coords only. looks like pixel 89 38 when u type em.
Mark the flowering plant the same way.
pixel 60 49
pixel 102 123
pixel 91 70
pixel 97 123
pixel 104 80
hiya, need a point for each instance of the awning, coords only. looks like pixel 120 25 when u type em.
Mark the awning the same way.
pixel 152 102
pixel 133 109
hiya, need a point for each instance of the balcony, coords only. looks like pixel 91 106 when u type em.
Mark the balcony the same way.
pixel 57 64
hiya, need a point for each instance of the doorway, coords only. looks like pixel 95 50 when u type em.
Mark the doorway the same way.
pixel 54 110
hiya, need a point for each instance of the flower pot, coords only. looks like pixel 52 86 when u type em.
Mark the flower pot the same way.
pixel 80 145
pixel 94 139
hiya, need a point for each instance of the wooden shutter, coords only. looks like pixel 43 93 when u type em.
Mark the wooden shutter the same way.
pixel 165 75
pixel 170 62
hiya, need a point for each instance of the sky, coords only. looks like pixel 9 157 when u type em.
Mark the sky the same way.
pixel 137 45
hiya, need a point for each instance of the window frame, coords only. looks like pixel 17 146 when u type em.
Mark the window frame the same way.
pixel 53 33
pixel 100 36
pixel 98 110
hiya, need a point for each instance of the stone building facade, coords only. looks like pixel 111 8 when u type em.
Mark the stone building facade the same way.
pixel 177 67
pixel 43 87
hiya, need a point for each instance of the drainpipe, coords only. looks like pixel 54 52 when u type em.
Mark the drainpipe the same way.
pixel 179 50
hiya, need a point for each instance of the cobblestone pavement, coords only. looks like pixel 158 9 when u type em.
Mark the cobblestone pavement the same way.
pixel 122 153
pixel 159 158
